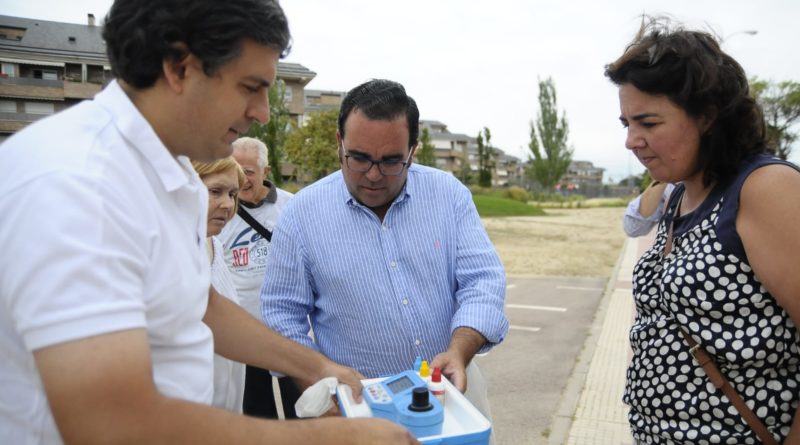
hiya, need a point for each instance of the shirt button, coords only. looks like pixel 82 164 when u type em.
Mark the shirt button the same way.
pixel 384 227
pixel 417 342
pixel 405 300
pixel 393 264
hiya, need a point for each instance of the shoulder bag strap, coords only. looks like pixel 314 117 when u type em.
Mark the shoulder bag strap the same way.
pixel 248 218
pixel 719 381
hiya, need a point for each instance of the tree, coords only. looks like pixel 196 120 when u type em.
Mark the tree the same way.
pixel 551 155
pixel 274 132
pixel 781 104
pixel 465 172
pixel 312 148
pixel 426 154
pixel 485 158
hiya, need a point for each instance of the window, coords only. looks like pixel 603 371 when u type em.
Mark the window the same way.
pixel 8 106
pixel 287 94
pixel 39 107
pixel 9 69
pixel 45 74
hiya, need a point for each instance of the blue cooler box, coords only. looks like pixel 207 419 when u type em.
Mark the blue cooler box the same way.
pixel 463 423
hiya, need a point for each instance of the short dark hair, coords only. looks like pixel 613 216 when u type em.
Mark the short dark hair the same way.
pixel 141 34
pixel 381 99
pixel 690 68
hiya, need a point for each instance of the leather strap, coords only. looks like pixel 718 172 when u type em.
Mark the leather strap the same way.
pixel 719 381
pixel 248 218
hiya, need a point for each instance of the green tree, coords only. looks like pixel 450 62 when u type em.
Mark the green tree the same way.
pixel 312 147
pixel 465 172
pixel 426 153
pixel 274 132
pixel 781 104
pixel 551 154
pixel 485 158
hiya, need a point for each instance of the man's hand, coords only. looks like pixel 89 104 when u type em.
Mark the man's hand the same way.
pixel 453 367
pixel 464 344
pixel 345 375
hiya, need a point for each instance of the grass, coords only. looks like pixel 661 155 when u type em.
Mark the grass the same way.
pixel 489 206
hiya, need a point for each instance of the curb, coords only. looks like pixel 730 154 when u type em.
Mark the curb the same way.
pixel 563 418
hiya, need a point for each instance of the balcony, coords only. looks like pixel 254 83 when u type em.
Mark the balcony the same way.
pixel 13 122
pixel 80 90
pixel 28 87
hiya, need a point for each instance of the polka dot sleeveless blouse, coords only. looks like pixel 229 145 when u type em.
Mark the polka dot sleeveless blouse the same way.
pixel 706 284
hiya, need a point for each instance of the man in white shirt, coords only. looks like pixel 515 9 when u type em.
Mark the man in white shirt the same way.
pixel 246 244
pixel 106 315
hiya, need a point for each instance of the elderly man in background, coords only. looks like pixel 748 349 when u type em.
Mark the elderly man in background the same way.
pixel 246 241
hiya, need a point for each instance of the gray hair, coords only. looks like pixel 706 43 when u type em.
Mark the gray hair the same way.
pixel 253 144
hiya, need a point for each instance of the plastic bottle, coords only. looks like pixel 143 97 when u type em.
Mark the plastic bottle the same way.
pixel 424 371
pixel 417 364
pixel 436 386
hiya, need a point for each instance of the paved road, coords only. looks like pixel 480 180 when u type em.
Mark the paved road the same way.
pixel 550 319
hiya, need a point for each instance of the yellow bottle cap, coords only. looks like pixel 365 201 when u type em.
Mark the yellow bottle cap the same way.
pixel 424 370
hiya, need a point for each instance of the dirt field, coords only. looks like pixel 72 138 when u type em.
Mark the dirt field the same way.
pixel 567 242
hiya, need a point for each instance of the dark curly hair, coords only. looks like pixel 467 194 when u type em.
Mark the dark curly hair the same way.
pixel 141 34
pixel 691 70
pixel 381 99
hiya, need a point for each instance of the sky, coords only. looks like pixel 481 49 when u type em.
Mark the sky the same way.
pixel 472 64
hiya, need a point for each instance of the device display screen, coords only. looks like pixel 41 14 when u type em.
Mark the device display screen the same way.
pixel 400 384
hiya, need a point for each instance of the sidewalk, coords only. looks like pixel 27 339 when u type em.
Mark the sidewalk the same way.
pixel 591 411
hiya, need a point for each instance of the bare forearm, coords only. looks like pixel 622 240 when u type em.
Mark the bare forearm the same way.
pixel 648 203
pixel 466 342
pixel 794 432
pixel 176 421
pixel 240 337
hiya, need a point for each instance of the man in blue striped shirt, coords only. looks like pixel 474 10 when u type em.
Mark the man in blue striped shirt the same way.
pixel 387 259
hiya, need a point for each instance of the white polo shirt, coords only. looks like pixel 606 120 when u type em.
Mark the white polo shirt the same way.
pixel 101 230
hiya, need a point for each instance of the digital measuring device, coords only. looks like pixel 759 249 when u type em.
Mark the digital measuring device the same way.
pixel 404 398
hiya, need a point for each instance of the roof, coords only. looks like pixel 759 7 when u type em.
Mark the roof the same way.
pixel 452 137
pixel 295 71
pixel 53 38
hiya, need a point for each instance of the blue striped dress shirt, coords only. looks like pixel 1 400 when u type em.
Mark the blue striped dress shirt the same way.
pixel 380 293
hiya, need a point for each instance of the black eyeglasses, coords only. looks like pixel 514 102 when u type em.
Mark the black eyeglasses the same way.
pixel 363 164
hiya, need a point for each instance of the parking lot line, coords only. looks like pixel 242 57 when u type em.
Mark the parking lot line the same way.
pixel 536 308
pixel 594 289
pixel 523 328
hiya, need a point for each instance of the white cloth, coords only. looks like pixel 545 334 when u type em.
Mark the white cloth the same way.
pixel 102 230
pixel 228 374
pixel 637 225
pixel 246 251
pixel 316 399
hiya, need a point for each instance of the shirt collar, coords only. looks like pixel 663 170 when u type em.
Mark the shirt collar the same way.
pixel 174 172
pixel 271 198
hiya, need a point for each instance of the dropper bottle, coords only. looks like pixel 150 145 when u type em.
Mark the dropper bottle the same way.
pixel 436 386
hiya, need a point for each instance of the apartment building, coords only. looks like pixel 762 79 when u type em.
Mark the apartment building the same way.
pixel 582 177
pixel 455 150
pixel 47 66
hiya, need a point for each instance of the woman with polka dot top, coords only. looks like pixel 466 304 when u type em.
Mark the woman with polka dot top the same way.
pixel 725 265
